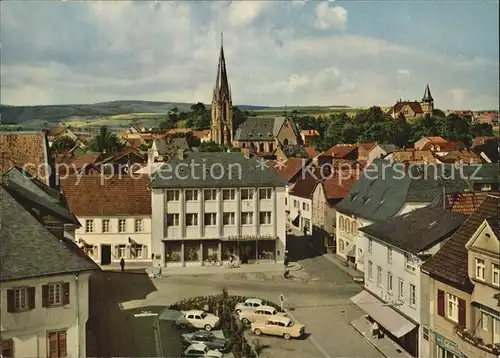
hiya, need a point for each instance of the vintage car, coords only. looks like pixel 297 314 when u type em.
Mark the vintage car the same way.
pixel 249 304
pixel 278 326
pixel 207 338
pixel 197 319
pixel 261 313
pixel 200 350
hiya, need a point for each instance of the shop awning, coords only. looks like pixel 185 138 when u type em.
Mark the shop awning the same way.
pixel 294 214
pixel 384 315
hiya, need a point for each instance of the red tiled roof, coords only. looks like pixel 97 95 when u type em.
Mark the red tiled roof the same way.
pixel 464 155
pixel 467 203
pixel 86 160
pixel 291 167
pixel 414 156
pixel 451 262
pixel 338 186
pixel 54 132
pixel 309 132
pixel 339 151
pixel 201 133
pixel 414 105
pixel 437 140
pixel 94 195
pixel 311 152
pixel 482 140
pixel 305 184
pixel 449 146
pixel 367 146
pixel 28 150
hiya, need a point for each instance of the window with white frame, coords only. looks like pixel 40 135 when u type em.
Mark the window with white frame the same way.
pixel 210 194
pixel 496 330
pixel 54 294
pixel 191 219
pixel 137 251
pixel 410 263
pixel 389 255
pixel 173 195
pixel 295 203
pixel 389 282
pixel 138 227
pixel 370 245
pixel 354 228
pixel 210 219
pixel 265 193
pixel 172 219
pixel 341 245
pixel 452 311
pixel 401 289
pixel 379 276
pixel 265 218
pixel 122 251
pixel 228 219
pixel 228 194
pixel 480 269
pixel 191 195
pixel 370 271
pixel 89 225
pixel 246 218
pixel 247 194
pixel 495 274
pixel 20 298
pixel 484 321
pixel 413 295
pixel 122 225
pixel 105 225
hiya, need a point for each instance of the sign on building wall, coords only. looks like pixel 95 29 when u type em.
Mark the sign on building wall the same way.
pixel 448 345
pixel 250 237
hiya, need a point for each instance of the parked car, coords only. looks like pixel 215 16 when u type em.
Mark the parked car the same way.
pixel 200 350
pixel 261 313
pixel 198 319
pixel 207 338
pixel 278 326
pixel 249 304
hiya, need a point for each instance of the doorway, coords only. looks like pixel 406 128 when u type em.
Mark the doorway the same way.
pixel 248 252
pixel 105 254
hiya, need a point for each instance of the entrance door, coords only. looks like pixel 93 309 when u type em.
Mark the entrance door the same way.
pixel 247 252
pixel 105 254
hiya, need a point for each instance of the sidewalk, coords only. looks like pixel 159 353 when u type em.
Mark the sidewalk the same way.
pixel 340 263
pixel 385 345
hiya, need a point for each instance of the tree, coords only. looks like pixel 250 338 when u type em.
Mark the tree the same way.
pixel 62 142
pixel 239 117
pixel 106 141
pixel 211 147
pixel 438 113
pixel 198 108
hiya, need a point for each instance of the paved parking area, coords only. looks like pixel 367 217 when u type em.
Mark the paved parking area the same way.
pixel 277 347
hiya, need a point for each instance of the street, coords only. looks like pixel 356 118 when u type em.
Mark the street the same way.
pixel 320 301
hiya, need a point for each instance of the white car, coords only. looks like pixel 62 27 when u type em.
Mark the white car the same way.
pixel 199 350
pixel 249 305
pixel 261 313
pixel 198 319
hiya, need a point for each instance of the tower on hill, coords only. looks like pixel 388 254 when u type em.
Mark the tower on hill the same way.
pixel 427 103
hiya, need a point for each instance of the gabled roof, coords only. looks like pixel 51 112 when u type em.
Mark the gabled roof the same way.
pixel 418 230
pixel 467 203
pixel 482 140
pixel 256 128
pixel 414 105
pixel 289 168
pixel 28 249
pixel 465 156
pixel 451 262
pixel 95 195
pixel 449 146
pixel 338 186
pixel 56 131
pixel 309 132
pixel 389 148
pixel 339 151
pixel 313 153
pixel 305 184
pixel 437 140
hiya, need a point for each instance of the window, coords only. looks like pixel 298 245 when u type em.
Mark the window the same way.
pixel 370 271
pixel 484 321
pixel 246 194
pixel 172 195
pixel 56 344
pixel 191 219
pixel 347 226
pixel 410 264
pixel 122 251
pixel 21 298
pixel 480 267
pixel 495 274
pixel 122 225
pixel 486 187
pixel 246 218
pixel 389 255
pixel 191 195
pixel 341 223
pixel 228 219
pixel 210 219
pixel 452 312
pixel 228 194
pixel 341 245
pixel 354 228
pixel 389 282
pixel 413 295
pixel 105 225
pixel 295 203
pixel 379 276
pixel 303 206
pixel 7 348
pixel 370 246
pixel 54 294
pixel 138 225
pixel 137 251
pixel 496 330
pixel 425 333
pixel 286 201
pixel 443 353
pixel 172 219
pixel 265 194
pixel 401 289
pixel 89 225
pixel 265 218
pixel 210 194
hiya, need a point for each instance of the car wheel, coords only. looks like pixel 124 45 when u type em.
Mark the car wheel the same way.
pixel 286 336
pixel 245 321
pixel 257 332
pixel 238 311
pixel 208 327
pixel 183 326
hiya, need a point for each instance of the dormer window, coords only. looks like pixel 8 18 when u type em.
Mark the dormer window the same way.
pixel 480 269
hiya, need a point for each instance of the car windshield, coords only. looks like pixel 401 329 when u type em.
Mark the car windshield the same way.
pixel 206 350
pixel 274 312
pixel 290 324
pixel 204 315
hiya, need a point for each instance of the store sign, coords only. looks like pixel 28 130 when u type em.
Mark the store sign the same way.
pixel 448 345
pixel 250 237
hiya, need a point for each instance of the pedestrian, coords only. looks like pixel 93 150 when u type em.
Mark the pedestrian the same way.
pixel 160 274
pixel 122 264
pixel 375 330
pixel 305 230
pixel 286 261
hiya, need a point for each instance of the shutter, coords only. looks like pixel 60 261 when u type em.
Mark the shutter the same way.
pixel 45 295
pixel 145 251
pixel 462 313
pixel 65 289
pixel 62 344
pixel 10 301
pixel 31 297
pixel 440 303
pixel 52 344
pixel 128 252
pixel 96 252
pixel 117 252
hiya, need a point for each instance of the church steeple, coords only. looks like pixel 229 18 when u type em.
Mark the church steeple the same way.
pixel 221 82
pixel 427 95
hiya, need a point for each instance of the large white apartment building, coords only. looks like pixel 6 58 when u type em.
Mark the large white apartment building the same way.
pixel 209 206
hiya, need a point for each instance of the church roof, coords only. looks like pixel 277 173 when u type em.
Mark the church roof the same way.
pixel 258 128
pixel 221 89
pixel 427 95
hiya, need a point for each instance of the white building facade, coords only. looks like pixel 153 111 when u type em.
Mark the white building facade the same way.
pixel 301 213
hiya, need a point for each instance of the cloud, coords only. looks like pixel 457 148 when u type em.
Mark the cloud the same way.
pixel 330 17
pixel 84 52
pixel 458 96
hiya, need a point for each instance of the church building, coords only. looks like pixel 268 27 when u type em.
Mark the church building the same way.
pixel 413 109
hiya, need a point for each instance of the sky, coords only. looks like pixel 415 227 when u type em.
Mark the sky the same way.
pixel 355 53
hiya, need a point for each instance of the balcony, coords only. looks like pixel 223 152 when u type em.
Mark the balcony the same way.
pixel 469 337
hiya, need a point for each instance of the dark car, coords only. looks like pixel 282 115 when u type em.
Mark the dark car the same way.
pixel 207 338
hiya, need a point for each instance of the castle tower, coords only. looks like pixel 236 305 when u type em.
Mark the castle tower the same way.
pixel 222 107
pixel 427 102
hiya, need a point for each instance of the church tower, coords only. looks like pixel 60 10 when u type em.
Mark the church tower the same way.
pixel 427 103
pixel 222 107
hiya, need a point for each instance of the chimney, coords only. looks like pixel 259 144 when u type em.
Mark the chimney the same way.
pixel 246 152
pixel 180 154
